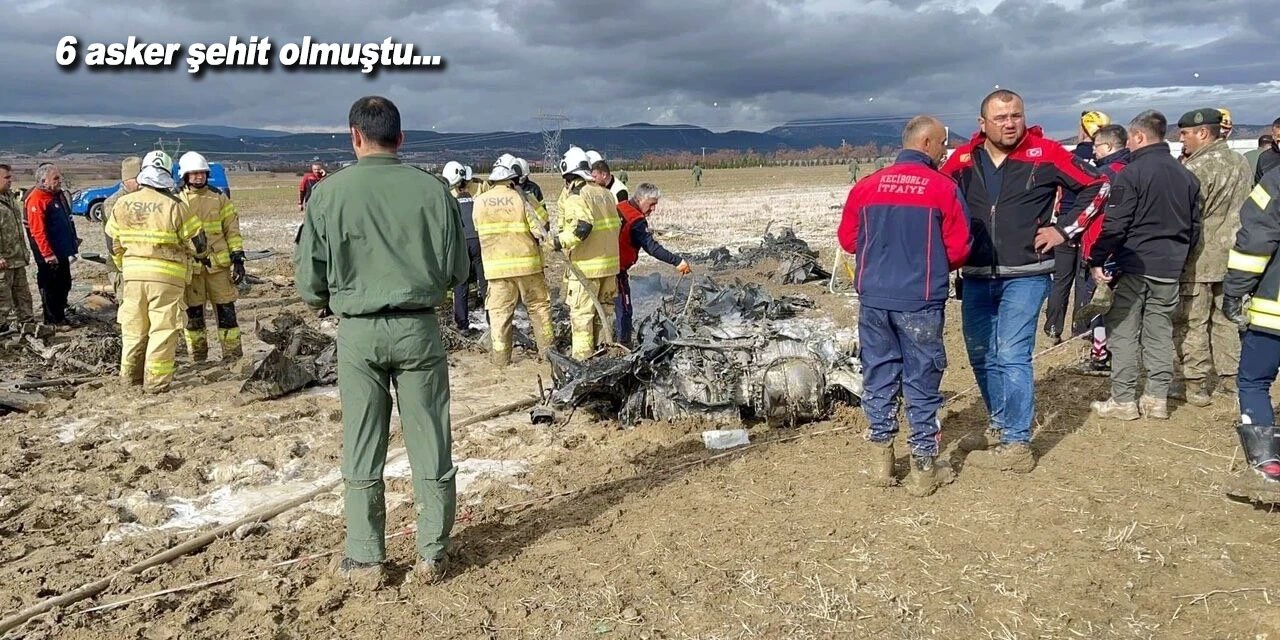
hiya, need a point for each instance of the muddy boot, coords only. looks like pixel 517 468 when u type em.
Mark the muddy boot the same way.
pixel 1092 367
pixel 431 571
pixel 1227 386
pixel 1112 409
pixel 880 465
pixel 979 441
pixel 500 358
pixel 1197 393
pixel 1153 408
pixel 367 575
pixel 927 474
pixel 1017 457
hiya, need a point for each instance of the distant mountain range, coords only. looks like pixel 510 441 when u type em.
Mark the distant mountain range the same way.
pixel 630 141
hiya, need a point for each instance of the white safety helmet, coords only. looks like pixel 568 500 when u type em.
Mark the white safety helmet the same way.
pixel 524 167
pixel 469 173
pixel 575 162
pixel 505 168
pixel 454 173
pixel 191 162
pixel 159 160
pixel 594 156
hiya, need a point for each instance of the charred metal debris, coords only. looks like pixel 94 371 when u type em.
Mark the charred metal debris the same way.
pixel 797 263
pixel 715 352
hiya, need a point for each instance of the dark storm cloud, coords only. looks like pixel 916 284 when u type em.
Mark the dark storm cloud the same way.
pixel 742 64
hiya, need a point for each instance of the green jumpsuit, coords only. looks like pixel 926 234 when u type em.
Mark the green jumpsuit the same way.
pixel 380 245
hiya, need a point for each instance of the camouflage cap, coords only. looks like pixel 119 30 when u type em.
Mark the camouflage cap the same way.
pixel 129 168
pixel 1200 118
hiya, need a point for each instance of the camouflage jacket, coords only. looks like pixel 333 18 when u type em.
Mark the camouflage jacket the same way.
pixel 13 237
pixel 1225 180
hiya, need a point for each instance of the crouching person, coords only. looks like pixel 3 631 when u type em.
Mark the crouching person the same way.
pixel 909 227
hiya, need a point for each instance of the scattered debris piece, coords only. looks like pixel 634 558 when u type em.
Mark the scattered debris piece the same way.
pixel 301 356
pixel 725 439
pixel 798 264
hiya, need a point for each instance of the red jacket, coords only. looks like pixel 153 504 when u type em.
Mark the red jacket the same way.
pixel 909 227
pixel 1005 226
pixel 635 236
pixel 308 183
pixel 1111 165
pixel 48 219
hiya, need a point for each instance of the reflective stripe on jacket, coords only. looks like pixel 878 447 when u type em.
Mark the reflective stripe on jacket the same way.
pixel 508 248
pixel 221 224
pixel 151 233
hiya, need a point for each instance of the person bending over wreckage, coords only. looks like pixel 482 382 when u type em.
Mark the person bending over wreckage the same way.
pixel 910 210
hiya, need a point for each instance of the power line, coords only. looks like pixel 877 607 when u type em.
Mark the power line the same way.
pixel 552 125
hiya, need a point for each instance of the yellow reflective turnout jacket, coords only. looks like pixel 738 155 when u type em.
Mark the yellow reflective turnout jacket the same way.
pixel 1252 268
pixel 152 235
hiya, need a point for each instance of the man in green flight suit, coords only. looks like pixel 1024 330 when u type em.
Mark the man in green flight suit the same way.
pixel 380 245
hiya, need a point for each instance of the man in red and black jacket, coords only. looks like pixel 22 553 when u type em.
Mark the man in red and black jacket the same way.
pixel 909 228
pixel 1110 156
pixel 53 241
pixel 309 182
pixel 1010 176
pixel 634 236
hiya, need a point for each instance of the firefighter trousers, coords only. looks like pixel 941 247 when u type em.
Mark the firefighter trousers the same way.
pixel 374 353
pixel 501 300
pixel 150 318
pixel 585 321
pixel 213 287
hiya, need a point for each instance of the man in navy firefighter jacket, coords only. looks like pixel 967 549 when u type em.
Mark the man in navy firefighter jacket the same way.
pixel 1009 176
pixel 909 227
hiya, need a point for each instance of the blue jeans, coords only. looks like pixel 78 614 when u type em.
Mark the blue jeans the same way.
pixel 902 353
pixel 1259 359
pixel 999 317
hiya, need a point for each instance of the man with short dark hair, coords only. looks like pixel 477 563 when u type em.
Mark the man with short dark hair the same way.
pixel 1010 176
pixel 53 241
pixel 309 182
pixel 1110 155
pixel 1207 341
pixel 380 247
pixel 909 228
pixel 1152 221
pixel 15 295
pixel 1269 158
pixel 1265 141
pixel 602 176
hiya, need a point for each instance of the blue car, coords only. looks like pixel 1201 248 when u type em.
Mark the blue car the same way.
pixel 88 202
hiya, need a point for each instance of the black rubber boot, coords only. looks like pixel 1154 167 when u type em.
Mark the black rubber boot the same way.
pixel 1261 444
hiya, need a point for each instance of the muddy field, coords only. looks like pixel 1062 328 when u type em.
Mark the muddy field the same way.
pixel 587 530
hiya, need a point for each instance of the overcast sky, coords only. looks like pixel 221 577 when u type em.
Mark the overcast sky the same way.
pixel 745 64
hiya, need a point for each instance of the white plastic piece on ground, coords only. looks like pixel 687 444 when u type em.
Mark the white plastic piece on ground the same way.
pixel 725 439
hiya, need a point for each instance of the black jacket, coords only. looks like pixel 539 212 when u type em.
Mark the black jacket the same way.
pixel 1267 160
pixel 1004 228
pixel 1152 216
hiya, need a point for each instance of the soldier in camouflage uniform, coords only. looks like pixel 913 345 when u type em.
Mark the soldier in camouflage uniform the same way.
pixel 1204 336
pixel 15 293
pixel 129 169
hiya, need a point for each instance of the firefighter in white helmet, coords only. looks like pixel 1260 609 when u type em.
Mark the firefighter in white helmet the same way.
pixel 154 237
pixel 588 234
pixel 458 176
pixel 530 188
pixel 216 282
pixel 510 234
